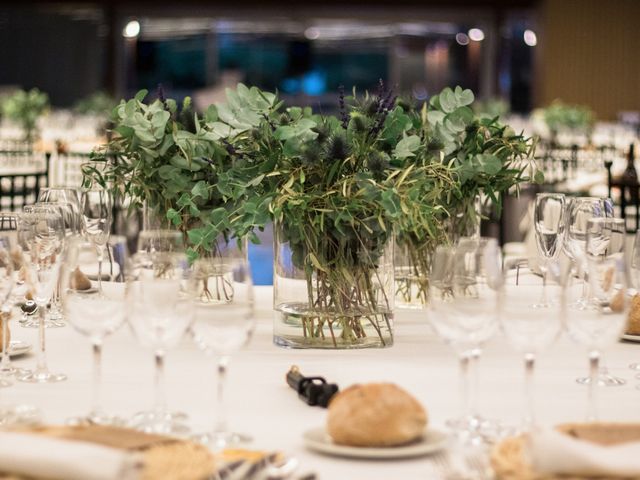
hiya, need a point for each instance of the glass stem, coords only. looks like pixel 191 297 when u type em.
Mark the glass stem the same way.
pixel 41 363
pixel 220 425
pixel 161 400
pixel 543 270
pixel 592 406
pixel 465 390
pixel 97 378
pixel 529 419
pixel 100 260
pixel 5 365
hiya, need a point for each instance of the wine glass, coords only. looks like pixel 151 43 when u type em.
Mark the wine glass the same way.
pixel 9 237
pixel 531 327
pixel 580 210
pixel 550 224
pixel 71 221
pixel 95 314
pixel 222 325
pixel 96 207
pixel 465 282
pixel 65 196
pixel 602 323
pixel 160 312
pixel 7 283
pixel 10 264
pixel 41 236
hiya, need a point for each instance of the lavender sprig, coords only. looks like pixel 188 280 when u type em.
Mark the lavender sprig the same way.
pixel 386 101
pixel 343 111
pixel 161 96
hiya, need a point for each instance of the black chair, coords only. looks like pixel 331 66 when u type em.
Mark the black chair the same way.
pixel 23 187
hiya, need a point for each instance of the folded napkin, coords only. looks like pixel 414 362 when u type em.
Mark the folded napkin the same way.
pixel 50 458
pixel 553 452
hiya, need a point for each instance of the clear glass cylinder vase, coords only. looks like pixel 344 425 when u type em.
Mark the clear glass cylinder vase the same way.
pixel 412 263
pixel 332 292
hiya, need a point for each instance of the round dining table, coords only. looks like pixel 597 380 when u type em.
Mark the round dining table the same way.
pixel 261 403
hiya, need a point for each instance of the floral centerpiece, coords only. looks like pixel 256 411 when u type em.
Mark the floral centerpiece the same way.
pixel 24 108
pixel 182 170
pixel 341 183
pixel 486 158
pixel 560 116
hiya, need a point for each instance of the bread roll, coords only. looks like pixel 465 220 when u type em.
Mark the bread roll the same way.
pixel 633 321
pixel 79 281
pixel 4 317
pixel 375 415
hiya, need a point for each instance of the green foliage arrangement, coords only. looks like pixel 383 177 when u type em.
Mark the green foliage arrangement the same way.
pixel 487 159
pixel 559 116
pixel 98 103
pixel 24 108
pixel 349 180
pixel 338 187
pixel 183 166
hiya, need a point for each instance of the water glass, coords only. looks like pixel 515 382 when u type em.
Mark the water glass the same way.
pixel 531 327
pixel 160 312
pixel 602 322
pixel 41 236
pixel 222 325
pixel 93 313
pixel 465 283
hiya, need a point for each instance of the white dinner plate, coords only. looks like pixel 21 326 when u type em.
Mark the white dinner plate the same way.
pixel 318 439
pixel 631 338
pixel 18 347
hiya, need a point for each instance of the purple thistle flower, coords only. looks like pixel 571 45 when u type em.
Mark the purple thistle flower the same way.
pixel 230 148
pixel 161 96
pixel 343 111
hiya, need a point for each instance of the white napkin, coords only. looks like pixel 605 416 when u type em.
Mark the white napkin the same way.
pixel 49 458
pixel 553 452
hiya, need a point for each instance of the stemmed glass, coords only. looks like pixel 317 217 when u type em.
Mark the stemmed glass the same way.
pixel 92 313
pixel 580 210
pixel 69 201
pixel 96 207
pixel 550 224
pixel 602 323
pixel 9 237
pixel 7 284
pixel 529 327
pixel 221 327
pixel 71 222
pixel 465 282
pixel 160 312
pixel 10 263
pixel 41 236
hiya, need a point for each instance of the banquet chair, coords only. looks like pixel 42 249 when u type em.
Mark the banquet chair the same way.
pixel 21 184
pixel 68 171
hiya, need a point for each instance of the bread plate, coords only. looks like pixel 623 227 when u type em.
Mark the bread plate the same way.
pixel 318 440
pixel 631 338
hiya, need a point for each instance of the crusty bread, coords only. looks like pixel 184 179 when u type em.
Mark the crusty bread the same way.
pixel 633 321
pixel 375 415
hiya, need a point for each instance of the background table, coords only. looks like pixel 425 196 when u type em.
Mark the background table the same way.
pixel 260 402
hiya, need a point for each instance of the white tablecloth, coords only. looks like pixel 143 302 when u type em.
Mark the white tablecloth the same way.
pixel 260 402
